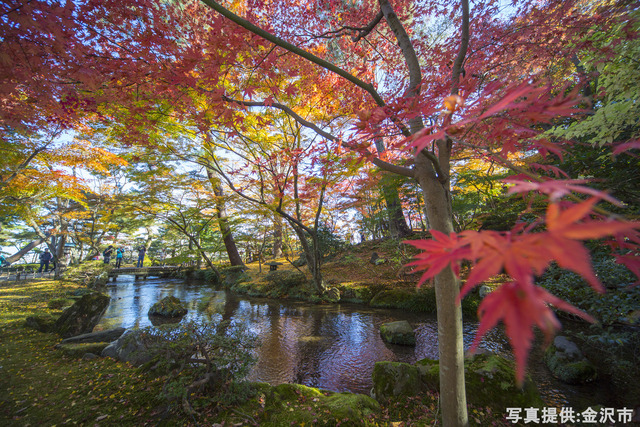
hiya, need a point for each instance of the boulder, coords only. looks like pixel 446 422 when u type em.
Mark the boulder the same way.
pixel 302 261
pixel 567 363
pixel 100 336
pixel 374 258
pixel 130 348
pixel 89 273
pixel 483 291
pixel 490 381
pixel 82 316
pixel 168 307
pixel 392 298
pixel 99 280
pixel 399 332
pixel 296 404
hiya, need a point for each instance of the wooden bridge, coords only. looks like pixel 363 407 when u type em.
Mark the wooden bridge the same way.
pixel 144 272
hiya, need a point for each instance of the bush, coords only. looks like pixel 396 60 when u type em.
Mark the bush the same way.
pixel 201 356
pixel 610 307
pixel 329 244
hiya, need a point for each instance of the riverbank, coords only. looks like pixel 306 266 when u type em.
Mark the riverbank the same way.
pixel 373 274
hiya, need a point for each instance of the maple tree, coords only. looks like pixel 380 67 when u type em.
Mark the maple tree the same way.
pixel 488 86
pixel 499 117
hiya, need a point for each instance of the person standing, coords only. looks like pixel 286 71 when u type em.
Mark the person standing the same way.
pixel 119 256
pixel 141 252
pixel 45 258
pixel 107 254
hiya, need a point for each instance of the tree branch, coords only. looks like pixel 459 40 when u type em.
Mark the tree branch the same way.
pixel 363 32
pixel 410 57
pixel 464 44
pixel 400 170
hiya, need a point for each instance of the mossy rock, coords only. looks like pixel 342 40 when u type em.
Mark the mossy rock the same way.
pixel 399 332
pixel 489 381
pixel 357 293
pixel 58 303
pixel 168 307
pixel 242 288
pixel 89 273
pixel 351 406
pixel 77 350
pixel 569 369
pixel 300 262
pixel 233 275
pixel 41 322
pixel 82 316
pixel 332 294
pixel 395 379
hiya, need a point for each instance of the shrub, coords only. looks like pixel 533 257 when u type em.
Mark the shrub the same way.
pixel 610 307
pixel 201 357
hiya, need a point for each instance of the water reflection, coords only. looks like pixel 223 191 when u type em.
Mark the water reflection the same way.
pixel 328 346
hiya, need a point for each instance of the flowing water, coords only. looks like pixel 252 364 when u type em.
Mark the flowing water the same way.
pixel 331 346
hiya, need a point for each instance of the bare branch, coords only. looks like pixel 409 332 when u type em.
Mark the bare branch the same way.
pixel 363 32
pixel 464 44
pixel 400 170
pixel 410 57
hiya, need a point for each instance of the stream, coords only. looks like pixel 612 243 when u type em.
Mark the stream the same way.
pixel 329 346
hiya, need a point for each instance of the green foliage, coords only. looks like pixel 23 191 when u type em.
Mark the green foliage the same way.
pixel 616 352
pixel 616 175
pixel 202 356
pixel 329 243
pixel 616 88
pixel 610 307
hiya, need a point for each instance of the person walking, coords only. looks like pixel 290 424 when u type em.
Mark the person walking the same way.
pixel 141 252
pixel 119 256
pixel 45 259
pixel 107 254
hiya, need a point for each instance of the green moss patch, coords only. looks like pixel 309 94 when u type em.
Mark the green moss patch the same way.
pixel 490 382
pixel 295 404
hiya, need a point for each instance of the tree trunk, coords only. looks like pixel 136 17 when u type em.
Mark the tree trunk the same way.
pixel 59 255
pixel 223 221
pixel 397 222
pixel 313 257
pixel 277 237
pixel 450 344
pixel 22 252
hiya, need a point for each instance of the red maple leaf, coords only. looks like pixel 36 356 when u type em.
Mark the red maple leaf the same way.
pixel 520 256
pixel 566 227
pixel 437 254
